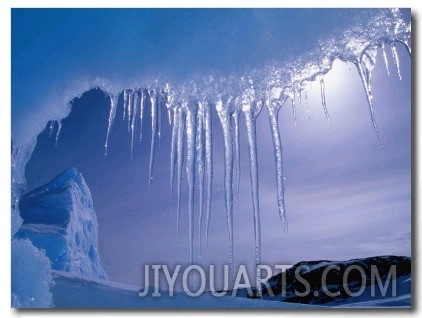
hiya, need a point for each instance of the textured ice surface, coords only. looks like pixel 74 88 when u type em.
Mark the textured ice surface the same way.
pixel 59 218
pixel 31 276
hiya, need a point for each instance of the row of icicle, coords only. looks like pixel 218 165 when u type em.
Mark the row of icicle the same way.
pixel 191 121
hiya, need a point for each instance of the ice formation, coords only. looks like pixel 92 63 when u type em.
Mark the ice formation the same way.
pixel 225 116
pixel 59 218
pixel 189 106
pixel 245 96
pixel 31 276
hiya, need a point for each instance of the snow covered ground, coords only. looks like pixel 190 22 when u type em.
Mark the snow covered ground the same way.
pixel 76 291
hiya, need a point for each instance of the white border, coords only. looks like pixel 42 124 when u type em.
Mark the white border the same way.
pixel 5 93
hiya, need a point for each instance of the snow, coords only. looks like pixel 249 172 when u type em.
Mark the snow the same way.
pixel 311 267
pixel 99 293
pixel 59 218
pixel 76 291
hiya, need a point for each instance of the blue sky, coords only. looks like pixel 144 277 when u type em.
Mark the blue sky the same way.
pixel 346 197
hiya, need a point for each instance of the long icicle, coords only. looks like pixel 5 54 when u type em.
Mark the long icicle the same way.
pixel 208 165
pixel 125 95
pixel 224 116
pixel 237 151
pixel 153 101
pixel 133 123
pixel 384 54
pixel 174 131
pixel 366 81
pixel 273 111
pixel 200 165
pixel 159 111
pixel 111 117
pixel 129 109
pixel 294 110
pixel 396 59
pixel 180 137
pixel 141 114
pixel 251 110
pixel 190 170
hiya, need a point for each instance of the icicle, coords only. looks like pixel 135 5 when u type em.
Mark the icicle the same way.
pixel 159 106
pixel 111 117
pixel 125 95
pixel 141 115
pixel 153 102
pixel 169 116
pixel 273 110
pixel 180 135
pixel 224 116
pixel 324 103
pixel 133 124
pixel 174 131
pixel 365 75
pixel 237 150
pixel 190 168
pixel 384 54
pixel 396 59
pixel 408 47
pixel 200 164
pixel 208 165
pixel 51 128
pixel 299 94
pixel 129 109
pixel 294 110
pixel 306 103
pixel 168 98
pixel 251 111
pixel 59 128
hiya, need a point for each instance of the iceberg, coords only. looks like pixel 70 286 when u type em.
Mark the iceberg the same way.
pixel 59 217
